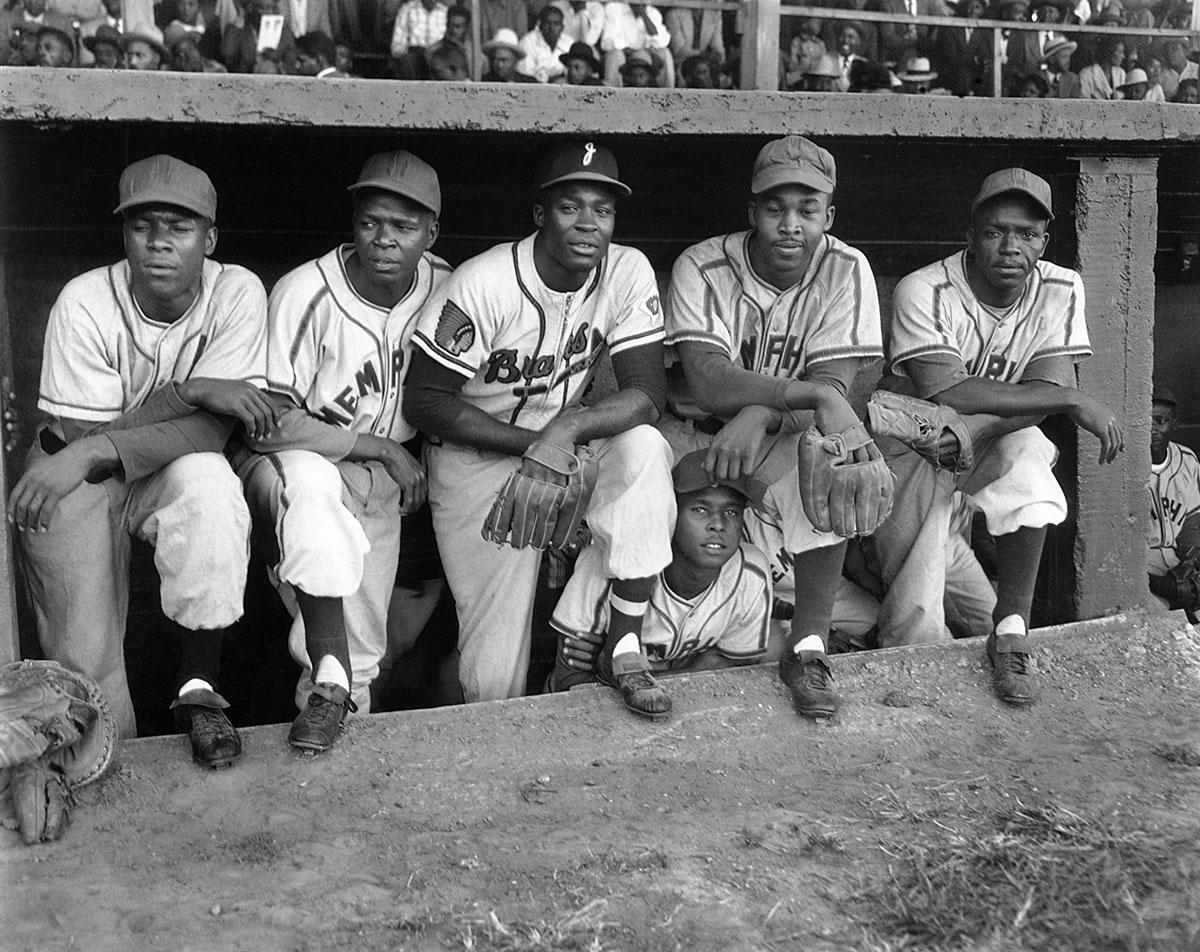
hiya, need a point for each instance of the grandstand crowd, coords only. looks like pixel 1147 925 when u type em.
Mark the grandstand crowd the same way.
pixel 587 43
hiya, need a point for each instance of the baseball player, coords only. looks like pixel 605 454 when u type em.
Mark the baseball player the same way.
pixel 767 322
pixel 333 478
pixel 499 371
pixel 148 364
pixel 994 333
pixel 1174 486
pixel 709 608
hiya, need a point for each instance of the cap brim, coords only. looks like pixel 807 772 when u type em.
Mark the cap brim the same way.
pixel 988 196
pixel 771 180
pixel 589 177
pixel 162 197
pixel 386 185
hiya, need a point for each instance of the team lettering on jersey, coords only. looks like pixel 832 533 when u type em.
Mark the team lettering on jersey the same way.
pixel 367 381
pixel 992 367
pixel 507 366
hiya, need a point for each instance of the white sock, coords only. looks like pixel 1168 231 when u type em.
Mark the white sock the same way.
pixel 1011 625
pixel 330 671
pixel 195 684
pixel 810 643
pixel 629 644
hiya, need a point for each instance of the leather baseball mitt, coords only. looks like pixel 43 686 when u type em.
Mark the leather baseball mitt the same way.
pixel 919 425
pixel 840 495
pixel 545 500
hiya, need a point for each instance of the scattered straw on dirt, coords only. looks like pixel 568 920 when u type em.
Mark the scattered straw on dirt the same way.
pixel 578 931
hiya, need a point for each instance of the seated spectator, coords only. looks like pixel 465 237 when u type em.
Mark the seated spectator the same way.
pixel 1177 67
pixel 55 47
pixel 419 24
pixel 188 16
pixel 964 54
pixel 823 76
pixel 582 65
pixel 693 32
pixel 458 33
pixel 315 56
pixel 496 15
pixel 186 55
pixel 503 52
pixel 19 27
pixel 1034 86
pixel 448 63
pixel 1056 67
pixel 344 59
pixel 899 41
pixel 583 20
pixel 239 43
pixel 868 77
pixel 1103 78
pixel 111 18
pixel 1135 85
pixel 804 52
pixel 1019 51
pixel 144 50
pixel 635 26
pixel 104 48
pixel 917 78
pixel 639 70
pixel 1188 92
pixel 849 52
pixel 544 46
pixel 697 72
pixel 1154 90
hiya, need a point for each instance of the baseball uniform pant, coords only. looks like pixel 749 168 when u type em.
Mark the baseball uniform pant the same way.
pixel 1012 483
pixel 191 511
pixel 337 526
pixel 631 515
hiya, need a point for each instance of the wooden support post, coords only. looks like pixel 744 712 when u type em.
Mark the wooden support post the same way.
pixel 760 45
pixel 477 61
pixel 997 65
pixel 1116 213
pixel 10 648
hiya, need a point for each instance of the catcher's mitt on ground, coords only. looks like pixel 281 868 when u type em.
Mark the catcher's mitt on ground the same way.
pixel 919 425
pixel 840 495
pixel 544 501
pixel 56 735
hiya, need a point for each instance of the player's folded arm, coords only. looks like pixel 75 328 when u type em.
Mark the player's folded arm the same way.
pixel 943 379
pixel 297 429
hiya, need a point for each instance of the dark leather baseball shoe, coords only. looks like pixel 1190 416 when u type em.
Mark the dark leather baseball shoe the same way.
pixel 640 692
pixel 319 724
pixel 1014 669
pixel 807 675
pixel 201 715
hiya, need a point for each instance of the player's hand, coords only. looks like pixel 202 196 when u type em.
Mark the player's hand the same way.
pixel 579 650
pixel 835 415
pixel 45 483
pixel 409 475
pixel 948 449
pixel 736 448
pixel 1102 423
pixel 235 398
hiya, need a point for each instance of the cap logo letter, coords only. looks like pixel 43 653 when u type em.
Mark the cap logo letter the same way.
pixel 589 150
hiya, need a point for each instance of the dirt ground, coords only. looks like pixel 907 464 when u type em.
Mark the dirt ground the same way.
pixel 563 823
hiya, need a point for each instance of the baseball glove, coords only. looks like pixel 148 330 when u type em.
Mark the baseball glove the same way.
pixel 545 500
pixel 919 425
pixel 1183 585
pixel 56 735
pixel 840 495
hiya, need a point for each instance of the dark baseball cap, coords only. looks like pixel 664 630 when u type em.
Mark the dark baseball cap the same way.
pixel 402 173
pixel 689 476
pixel 1015 180
pixel 1163 394
pixel 793 160
pixel 166 180
pixel 582 162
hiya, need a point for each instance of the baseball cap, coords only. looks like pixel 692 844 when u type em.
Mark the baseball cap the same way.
pixel 402 173
pixel 1163 394
pixel 689 476
pixel 1015 180
pixel 793 160
pixel 166 180
pixel 582 162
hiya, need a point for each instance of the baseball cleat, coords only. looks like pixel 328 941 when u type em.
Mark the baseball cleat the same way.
pixel 215 741
pixel 1014 669
pixel 809 678
pixel 317 727
pixel 640 693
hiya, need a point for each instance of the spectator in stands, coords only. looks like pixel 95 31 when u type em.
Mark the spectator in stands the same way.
pixel 503 52
pixel 697 72
pixel 1056 67
pixel 1135 85
pixel 111 18
pixel 496 15
pixel 582 65
pixel 448 63
pixel 144 49
pixel 419 24
pixel 344 59
pixel 849 51
pixel 19 26
pixel 803 53
pixel 1103 78
pixel 306 16
pixel 543 47
pixel 583 20
pixel 1019 52
pixel 823 76
pixel 694 31
pixel 188 15
pixel 1034 86
pixel 316 55
pixel 899 41
pixel 104 48
pixel 918 77
pixel 186 55
pixel 239 42
pixel 868 77
pixel 1188 91
pixel 1178 67
pixel 639 70
pixel 1154 90
pixel 55 47
pixel 964 53
pixel 635 26
pixel 458 34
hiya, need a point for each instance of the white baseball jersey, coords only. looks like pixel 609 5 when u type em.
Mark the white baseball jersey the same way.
pixel 937 313
pixel 103 356
pixel 337 355
pixel 731 615
pixel 528 351
pixel 1174 495
pixel 832 313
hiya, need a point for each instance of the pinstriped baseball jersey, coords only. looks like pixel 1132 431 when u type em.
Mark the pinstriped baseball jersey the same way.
pixel 337 355
pixel 526 350
pixel 103 356
pixel 831 314
pixel 1174 495
pixel 731 615
pixel 936 312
